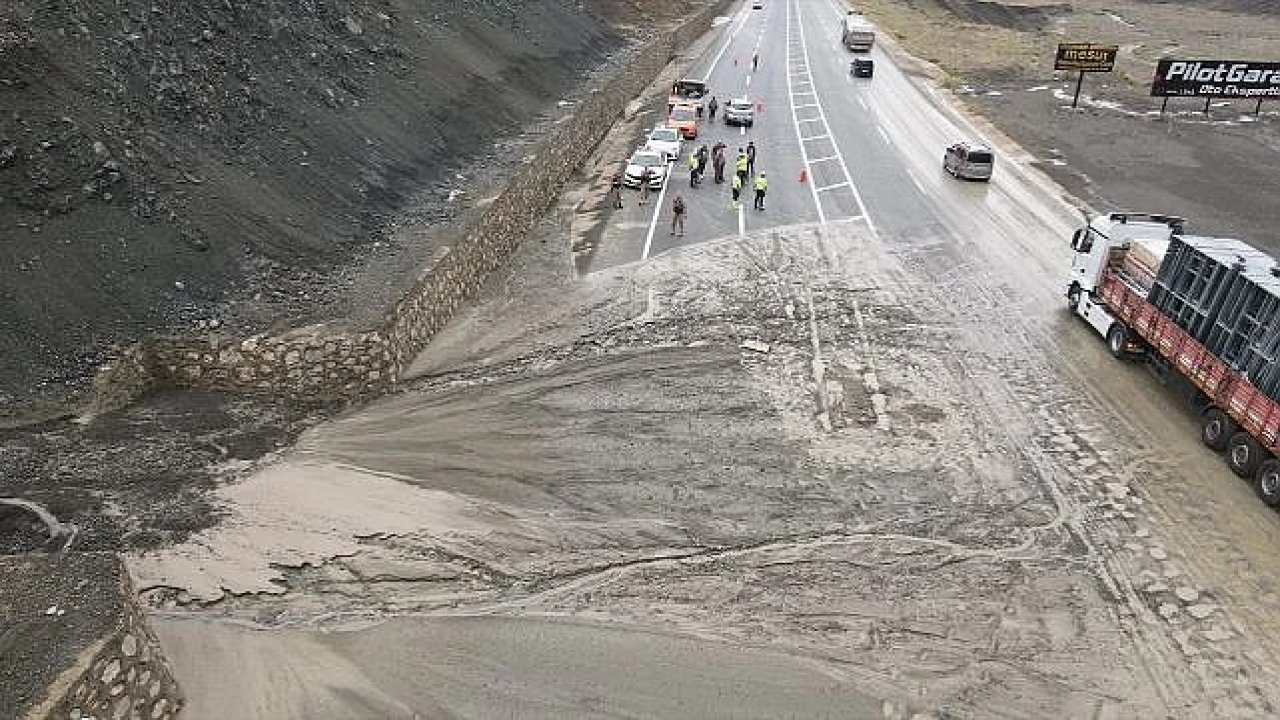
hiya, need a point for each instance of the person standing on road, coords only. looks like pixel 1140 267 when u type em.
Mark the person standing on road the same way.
pixel 693 169
pixel 762 186
pixel 741 165
pixel 646 177
pixel 703 155
pixel 677 216
pixel 718 160
pixel 737 191
pixel 751 158
pixel 615 190
pixel 712 106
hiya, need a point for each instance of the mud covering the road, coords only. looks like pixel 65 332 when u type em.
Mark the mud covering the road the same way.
pixel 1115 150
pixel 783 445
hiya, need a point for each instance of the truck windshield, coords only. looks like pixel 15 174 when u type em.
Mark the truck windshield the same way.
pixel 980 157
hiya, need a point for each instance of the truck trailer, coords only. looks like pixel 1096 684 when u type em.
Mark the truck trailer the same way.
pixel 856 33
pixel 1206 310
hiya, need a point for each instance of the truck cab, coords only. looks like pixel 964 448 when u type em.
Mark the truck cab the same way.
pixel 856 33
pixel 1140 238
pixel 1132 245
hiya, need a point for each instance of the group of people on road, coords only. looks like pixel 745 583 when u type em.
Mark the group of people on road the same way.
pixel 744 168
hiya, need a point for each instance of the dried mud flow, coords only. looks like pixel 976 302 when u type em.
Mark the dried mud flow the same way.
pixel 811 442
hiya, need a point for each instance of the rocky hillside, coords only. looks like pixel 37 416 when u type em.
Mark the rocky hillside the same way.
pixel 159 161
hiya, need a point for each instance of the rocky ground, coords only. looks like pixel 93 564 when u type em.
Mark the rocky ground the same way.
pixel 245 166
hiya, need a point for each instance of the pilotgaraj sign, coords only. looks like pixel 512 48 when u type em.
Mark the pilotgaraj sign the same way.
pixel 1216 78
pixel 1085 57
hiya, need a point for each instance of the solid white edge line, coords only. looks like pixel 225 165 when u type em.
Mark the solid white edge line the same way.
pixel 857 196
pixel 657 210
pixel 743 13
pixel 791 96
pixel 884 135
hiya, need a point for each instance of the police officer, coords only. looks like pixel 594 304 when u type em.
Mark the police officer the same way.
pixel 742 165
pixel 762 186
pixel 737 191
pixel 693 169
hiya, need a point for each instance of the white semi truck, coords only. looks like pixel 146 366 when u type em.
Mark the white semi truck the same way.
pixel 1206 312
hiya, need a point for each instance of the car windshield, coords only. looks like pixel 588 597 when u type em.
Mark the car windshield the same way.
pixel 980 156
pixel 740 104
pixel 647 159
pixel 664 135
pixel 682 114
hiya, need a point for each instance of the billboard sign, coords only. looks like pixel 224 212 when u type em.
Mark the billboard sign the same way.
pixel 1217 78
pixel 1085 57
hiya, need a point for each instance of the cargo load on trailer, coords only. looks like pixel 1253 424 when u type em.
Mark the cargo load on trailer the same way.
pixel 1206 311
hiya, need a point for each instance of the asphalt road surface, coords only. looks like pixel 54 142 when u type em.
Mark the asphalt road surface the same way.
pixel 855 432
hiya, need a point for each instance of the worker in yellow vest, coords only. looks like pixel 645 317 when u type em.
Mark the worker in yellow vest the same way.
pixel 741 164
pixel 737 191
pixel 762 185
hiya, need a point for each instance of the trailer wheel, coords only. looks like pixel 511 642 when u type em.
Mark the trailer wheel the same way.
pixel 1244 455
pixel 1073 297
pixel 1117 339
pixel 1267 482
pixel 1217 429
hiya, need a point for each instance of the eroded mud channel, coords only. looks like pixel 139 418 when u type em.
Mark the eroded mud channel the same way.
pixel 781 452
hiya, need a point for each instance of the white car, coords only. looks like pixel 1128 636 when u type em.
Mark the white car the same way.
pixel 643 158
pixel 666 141
pixel 739 111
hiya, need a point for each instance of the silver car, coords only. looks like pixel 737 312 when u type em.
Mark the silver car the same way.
pixel 969 162
pixel 739 111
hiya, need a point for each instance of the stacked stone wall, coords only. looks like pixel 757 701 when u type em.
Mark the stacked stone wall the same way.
pixel 319 364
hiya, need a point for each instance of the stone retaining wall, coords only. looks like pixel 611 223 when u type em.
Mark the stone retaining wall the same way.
pixel 317 364
pixel 82 648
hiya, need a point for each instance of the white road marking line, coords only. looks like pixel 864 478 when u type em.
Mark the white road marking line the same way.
pixel 742 15
pixel 844 167
pixel 884 135
pixel 811 138
pixel 828 158
pixel 805 120
pixel 742 129
pixel 805 105
pixel 825 188
pixel 861 103
pixel 742 219
pixel 792 94
pixel 915 181
pixel 653 223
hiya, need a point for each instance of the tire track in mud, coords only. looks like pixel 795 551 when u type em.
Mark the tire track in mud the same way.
pixel 1014 379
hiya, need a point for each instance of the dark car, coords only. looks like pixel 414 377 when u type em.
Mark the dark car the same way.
pixel 862 67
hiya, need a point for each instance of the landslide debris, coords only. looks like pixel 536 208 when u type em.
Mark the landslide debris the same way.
pixel 217 165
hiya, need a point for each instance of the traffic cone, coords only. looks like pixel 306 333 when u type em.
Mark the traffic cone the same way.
pixel 804 174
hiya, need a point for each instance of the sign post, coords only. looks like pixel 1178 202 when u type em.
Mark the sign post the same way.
pixel 1085 57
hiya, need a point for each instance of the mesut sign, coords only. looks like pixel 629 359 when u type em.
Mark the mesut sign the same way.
pixel 1217 78
pixel 1085 57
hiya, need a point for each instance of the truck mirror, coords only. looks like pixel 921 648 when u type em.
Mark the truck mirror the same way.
pixel 1075 239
